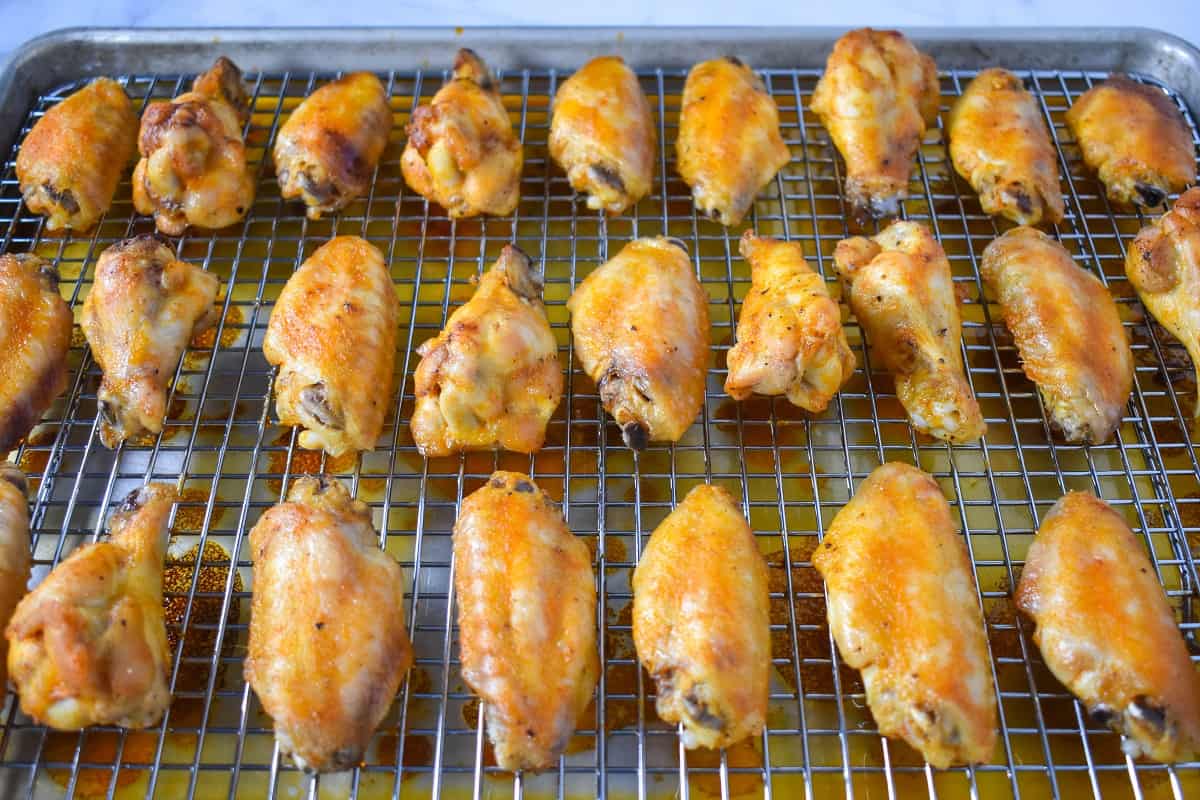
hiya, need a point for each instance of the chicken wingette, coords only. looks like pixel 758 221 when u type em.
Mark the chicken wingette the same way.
pixel 14 551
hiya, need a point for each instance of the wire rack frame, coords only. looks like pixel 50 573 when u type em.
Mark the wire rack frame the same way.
pixel 224 449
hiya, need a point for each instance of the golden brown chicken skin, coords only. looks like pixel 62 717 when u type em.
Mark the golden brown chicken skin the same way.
pixel 143 309
pixel 602 134
pixel 462 152
pixel 71 162
pixel 88 646
pixel 193 168
pixel 640 324
pixel 789 335
pixel 1135 138
pixel 1000 144
pixel 701 621
pixel 877 97
pixel 1067 330
pixel 527 619
pixel 903 610
pixel 332 334
pixel 328 647
pixel 900 288
pixel 1106 630
pixel 330 146
pixel 491 378
pixel 14 550
pixel 729 145
pixel 35 335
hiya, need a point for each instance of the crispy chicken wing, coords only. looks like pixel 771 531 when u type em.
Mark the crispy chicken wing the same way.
pixel 903 610
pixel 527 619
pixel 900 289
pixel 88 646
pixel 729 145
pixel 14 551
pixel 876 98
pixel 144 307
pixel 491 378
pixel 462 152
pixel 1106 630
pixel 1000 144
pixel 328 648
pixel 72 160
pixel 640 324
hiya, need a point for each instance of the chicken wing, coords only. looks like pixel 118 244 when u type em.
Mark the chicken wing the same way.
pixel 328 149
pixel 35 335
pixel 640 323
pixel 332 334
pixel 527 619
pixel 193 168
pixel 144 307
pixel 328 648
pixel 88 646
pixel 900 289
pixel 789 336
pixel 1000 144
pixel 903 610
pixel 491 378
pixel 1106 630
pixel 462 152
pixel 70 163
pixel 876 98
pixel 701 621
pixel 603 136
pixel 14 551
pixel 1136 139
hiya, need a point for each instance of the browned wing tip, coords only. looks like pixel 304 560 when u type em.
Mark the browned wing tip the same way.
pixel 469 66
pixel 519 273
pixel 223 82
pixel 635 436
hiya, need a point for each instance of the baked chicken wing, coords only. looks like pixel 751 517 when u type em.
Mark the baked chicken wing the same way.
pixel 640 323
pixel 900 289
pixel 14 551
pixel 729 145
pixel 70 163
pixel 1135 138
pixel 527 619
pixel 1000 144
pixel 1106 630
pixel 88 646
pixel 491 378
pixel 193 168
pixel 144 307
pixel 328 149
pixel 603 136
pixel 328 648
pixel 462 152
pixel 876 98
pixel 332 334
pixel 903 610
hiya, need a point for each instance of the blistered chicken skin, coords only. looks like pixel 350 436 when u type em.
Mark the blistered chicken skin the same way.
pixel 14 551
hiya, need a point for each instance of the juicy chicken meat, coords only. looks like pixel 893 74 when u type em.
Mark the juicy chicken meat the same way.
pixel 903 610
pixel 729 145
pixel 88 646
pixel 35 335
pixel 900 289
pixel 328 648
pixel 491 378
pixel 193 168
pixel 640 323
pixel 789 335
pixel 462 152
pixel 1106 630
pixel 14 551
pixel 1067 330
pixel 603 136
pixel 144 307
pixel 328 149
pixel 527 619
pixel 1135 138
pixel 701 620
pixel 877 97
pixel 71 162
pixel 1000 144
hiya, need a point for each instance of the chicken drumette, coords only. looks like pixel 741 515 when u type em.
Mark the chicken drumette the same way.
pixel 14 551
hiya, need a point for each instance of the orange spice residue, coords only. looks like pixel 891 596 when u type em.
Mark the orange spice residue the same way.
pixel 206 611
pixel 304 462
pixel 202 343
